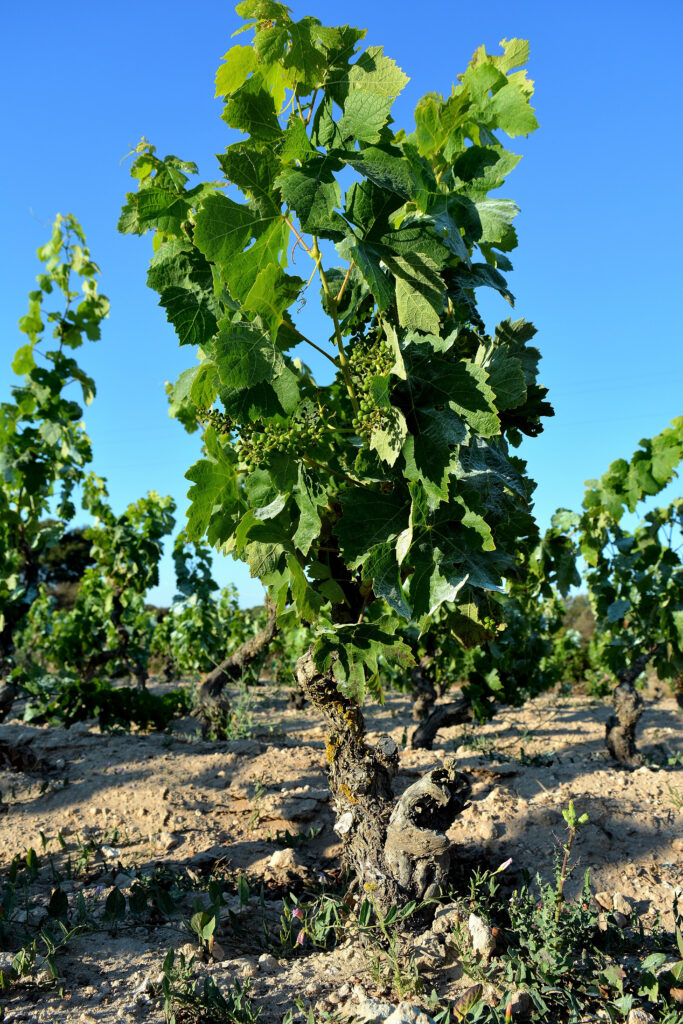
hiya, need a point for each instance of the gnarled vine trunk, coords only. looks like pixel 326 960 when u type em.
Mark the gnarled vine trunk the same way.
pixel 212 700
pixel 398 849
pixel 425 691
pixel 8 693
pixel 430 716
pixel 456 712
pixel 620 729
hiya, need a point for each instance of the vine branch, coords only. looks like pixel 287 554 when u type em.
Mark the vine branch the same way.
pixel 332 303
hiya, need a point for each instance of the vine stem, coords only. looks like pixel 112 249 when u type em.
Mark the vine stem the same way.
pixel 311 252
pixel 313 345
pixel 301 113
pixel 344 283
pixel 310 109
pixel 559 895
pixel 332 302
pixel 328 469
pixel 366 601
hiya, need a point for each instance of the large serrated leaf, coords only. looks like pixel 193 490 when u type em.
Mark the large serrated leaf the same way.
pixel 214 488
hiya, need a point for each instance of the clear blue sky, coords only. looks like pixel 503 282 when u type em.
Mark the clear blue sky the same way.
pixel 599 264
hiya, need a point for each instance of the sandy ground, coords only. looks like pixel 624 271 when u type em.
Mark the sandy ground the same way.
pixel 178 811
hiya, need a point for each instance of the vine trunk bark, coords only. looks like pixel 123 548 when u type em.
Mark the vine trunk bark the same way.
pixel 398 849
pixel 621 726
pixel 432 717
pixel 425 690
pixel 213 703
pixel 456 712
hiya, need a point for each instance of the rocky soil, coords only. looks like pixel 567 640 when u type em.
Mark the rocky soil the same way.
pixel 178 812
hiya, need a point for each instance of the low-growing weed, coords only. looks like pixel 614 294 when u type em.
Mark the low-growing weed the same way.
pixel 571 959
pixel 319 922
pixel 392 964
pixel 676 796
pixel 235 722
pixel 311 1015
pixel 181 993
pixel 293 840
pixel 259 792
pixel 324 920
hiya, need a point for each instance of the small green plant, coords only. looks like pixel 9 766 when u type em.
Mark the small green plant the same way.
pixel 295 839
pixel 310 1014
pixel 319 922
pixel 233 723
pixel 179 990
pixel 203 924
pixel 676 796
pixel 574 823
pixel 392 963
pixel 259 793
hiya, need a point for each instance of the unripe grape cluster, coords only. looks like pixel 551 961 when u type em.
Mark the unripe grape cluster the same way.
pixel 367 361
pixel 220 421
pixel 256 445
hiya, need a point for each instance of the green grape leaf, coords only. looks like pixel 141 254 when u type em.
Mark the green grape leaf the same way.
pixel 618 609
pixel 240 61
pixel 430 453
pixel 368 258
pixel 246 355
pixel 309 495
pixel 192 313
pixel 443 213
pixel 419 292
pixel 252 110
pixel 496 216
pixel 23 361
pixel 271 293
pixel 388 169
pixel 368 518
pixel 222 228
pixel 270 43
pixel 305 57
pixel 388 439
pixel 308 601
pixel 460 386
pixel 214 488
pixel 446 555
pixel 376 73
pixel 516 53
pixel 253 171
pixel 353 652
pixel 312 192
pixel 381 566
pixel 506 379
pixel 511 110
pixel 365 114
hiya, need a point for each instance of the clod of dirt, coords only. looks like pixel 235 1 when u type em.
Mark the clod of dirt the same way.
pixel 20 757
pixel 638 1016
pixel 446 919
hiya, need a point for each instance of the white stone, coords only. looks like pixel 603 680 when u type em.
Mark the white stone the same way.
pixel 371 1011
pixel 406 1013
pixel 343 824
pixel 483 939
pixel 267 963
pixel 622 904
pixel 283 860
